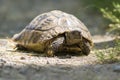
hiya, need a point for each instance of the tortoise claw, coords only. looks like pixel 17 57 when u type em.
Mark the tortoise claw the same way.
pixel 49 51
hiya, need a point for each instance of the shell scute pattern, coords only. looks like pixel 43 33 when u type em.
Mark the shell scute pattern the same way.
pixel 55 31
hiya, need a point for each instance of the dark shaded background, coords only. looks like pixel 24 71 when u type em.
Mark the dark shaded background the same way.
pixel 16 14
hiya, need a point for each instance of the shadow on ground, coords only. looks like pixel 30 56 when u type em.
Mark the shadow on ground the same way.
pixel 105 44
pixel 58 72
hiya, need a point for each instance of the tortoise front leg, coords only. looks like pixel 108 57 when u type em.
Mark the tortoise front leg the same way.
pixel 49 48
pixel 85 47
pixel 53 46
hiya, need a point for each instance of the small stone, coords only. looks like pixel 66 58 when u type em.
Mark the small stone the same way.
pixel 2 61
pixel 22 58
pixel 68 56
pixel 48 62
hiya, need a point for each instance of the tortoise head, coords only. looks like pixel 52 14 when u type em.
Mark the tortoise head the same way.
pixel 20 37
pixel 16 37
pixel 73 37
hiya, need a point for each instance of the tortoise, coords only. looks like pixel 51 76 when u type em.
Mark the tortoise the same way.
pixel 55 32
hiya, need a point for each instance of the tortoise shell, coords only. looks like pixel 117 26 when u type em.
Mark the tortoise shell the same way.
pixel 55 31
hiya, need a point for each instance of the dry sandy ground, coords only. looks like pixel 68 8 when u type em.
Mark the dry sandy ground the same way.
pixel 23 66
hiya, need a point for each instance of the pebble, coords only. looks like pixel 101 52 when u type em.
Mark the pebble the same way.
pixel 2 62
pixel 22 58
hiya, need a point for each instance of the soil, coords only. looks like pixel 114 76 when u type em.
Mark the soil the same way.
pixel 22 65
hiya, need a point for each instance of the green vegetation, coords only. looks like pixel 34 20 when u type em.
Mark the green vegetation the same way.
pixel 109 55
pixel 113 15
